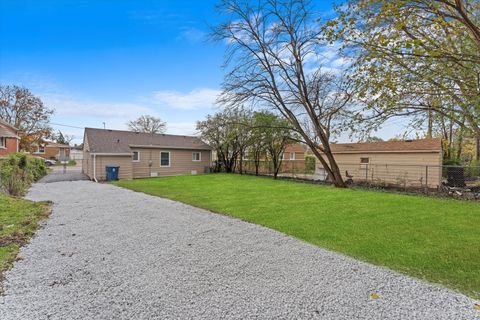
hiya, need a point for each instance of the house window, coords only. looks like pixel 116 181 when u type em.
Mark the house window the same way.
pixel 135 156
pixel 196 156
pixel 41 149
pixel 282 156
pixel 164 159
pixel 292 155
pixel 2 142
pixel 364 160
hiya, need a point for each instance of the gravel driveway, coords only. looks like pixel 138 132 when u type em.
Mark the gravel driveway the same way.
pixel 60 173
pixel 111 253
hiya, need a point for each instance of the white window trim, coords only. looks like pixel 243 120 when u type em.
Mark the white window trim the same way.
pixel 199 156
pixel 3 143
pixel 169 159
pixel 40 152
pixel 138 153
pixel 290 156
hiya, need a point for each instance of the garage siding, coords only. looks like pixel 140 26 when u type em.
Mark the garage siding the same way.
pixel 393 167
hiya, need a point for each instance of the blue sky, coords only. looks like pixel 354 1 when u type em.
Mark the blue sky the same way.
pixel 113 60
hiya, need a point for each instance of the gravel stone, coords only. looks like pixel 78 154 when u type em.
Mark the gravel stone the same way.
pixel 111 253
pixel 58 174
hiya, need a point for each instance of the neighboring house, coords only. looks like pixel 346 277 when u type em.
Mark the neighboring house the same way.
pixel 415 163
pixel 293 158
pixel 53 151
pixel 8 138
pixel 294 152
pixel 141 155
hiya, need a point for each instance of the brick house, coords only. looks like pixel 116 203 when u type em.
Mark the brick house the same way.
pixel 53 151
pixel 294 152
pixel 293 158
pixel 8 138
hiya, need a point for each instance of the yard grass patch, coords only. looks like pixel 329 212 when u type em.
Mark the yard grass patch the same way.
pixel 19 219
pixel 433 239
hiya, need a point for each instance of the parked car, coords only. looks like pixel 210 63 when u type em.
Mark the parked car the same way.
pixel 50 162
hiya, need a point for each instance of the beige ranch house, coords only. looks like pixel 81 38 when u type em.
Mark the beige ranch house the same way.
pixel 409 163
pixel 142 155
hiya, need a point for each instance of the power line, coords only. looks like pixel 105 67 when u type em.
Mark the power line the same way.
pixel 66 125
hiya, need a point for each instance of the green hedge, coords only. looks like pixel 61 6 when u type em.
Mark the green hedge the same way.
pixel 310 164
pixel 18 171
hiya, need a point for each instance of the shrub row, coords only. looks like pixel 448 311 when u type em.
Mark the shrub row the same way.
pixel 18 171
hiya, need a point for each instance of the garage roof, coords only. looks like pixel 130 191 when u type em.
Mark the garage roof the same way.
pixel 389 146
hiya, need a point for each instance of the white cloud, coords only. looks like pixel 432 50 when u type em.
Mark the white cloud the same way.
pixel 193 35
pixel 196 99
pixel 71 106
pixel 181 128
pixel 340 62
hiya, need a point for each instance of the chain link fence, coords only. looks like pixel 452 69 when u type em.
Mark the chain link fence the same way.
pixel 456 181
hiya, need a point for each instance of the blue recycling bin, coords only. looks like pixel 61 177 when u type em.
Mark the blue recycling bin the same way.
pixel 112 172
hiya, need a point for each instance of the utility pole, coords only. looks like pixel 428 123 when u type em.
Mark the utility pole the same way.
pixel 103 125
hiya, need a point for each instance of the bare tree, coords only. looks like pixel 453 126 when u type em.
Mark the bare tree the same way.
pixel 273 54
pixel 148 124
pixel 19 107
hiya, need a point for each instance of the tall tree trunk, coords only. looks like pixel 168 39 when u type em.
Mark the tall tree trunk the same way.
pixel 430 124
pixel 241 162
pixel 460 140
pixel 477 144
pixel 459 144
pixel 450 139
pixel 331 167
pixel 257 164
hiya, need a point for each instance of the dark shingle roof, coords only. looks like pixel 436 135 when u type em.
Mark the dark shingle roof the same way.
pixel 116 141
pixel 389 146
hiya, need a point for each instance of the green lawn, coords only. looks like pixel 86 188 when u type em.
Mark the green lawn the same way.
pixel 18 221
pixel 429 238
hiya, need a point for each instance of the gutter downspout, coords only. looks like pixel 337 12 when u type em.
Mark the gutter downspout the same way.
pixel 95 167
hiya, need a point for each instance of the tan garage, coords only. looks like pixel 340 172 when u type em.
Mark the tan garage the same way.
pixel 408 163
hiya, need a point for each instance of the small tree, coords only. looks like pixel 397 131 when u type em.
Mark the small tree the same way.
pixel 277 134
pixel 257 149
pixel 220 131
pixel 147 124
pixel 242 123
